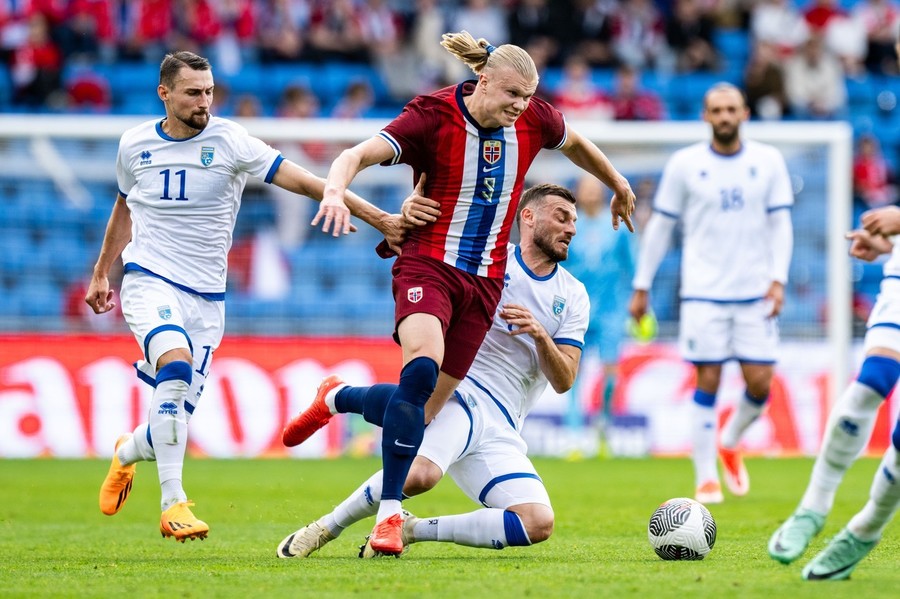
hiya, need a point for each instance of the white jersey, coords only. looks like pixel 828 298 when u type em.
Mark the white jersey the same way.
pixel 184 197
pixel 891 268
pixel 723 203
pixel 506 368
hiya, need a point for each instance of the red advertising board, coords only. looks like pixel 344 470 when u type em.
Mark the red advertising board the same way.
pixel 72 395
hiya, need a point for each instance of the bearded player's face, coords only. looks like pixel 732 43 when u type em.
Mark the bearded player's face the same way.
pixel 554 227
pixel 190 97
pixel 725 110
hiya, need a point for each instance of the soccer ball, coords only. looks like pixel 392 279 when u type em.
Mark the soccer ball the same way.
pixel 682 529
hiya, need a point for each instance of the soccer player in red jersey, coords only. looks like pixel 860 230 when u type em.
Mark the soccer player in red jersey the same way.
pixel 474 142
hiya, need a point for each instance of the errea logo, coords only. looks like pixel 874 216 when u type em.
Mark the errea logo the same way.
pixel 145 158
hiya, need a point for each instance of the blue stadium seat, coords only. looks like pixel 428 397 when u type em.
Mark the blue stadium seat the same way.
pixel 14 213
pixel 280 76
pixel 131 75
pixel 335 78
pixel 39 298
pixel 67 256
pixel 686 92
pixel 250 80
pixel 16 250
pixel 5 86
pixel 861 94
pixel 657 83
pixel 550 78
pixel 605 79
pixel 733 45
pixel 141 103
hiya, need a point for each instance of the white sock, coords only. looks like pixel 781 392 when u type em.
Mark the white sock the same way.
pixel 388 508
pixel 172 493
pixel 329 398
pixel 481 528
pixel 704 438
pixel 884 498
pixel 136 449
pixel 847 433
pixel 745 413
pixel 362 503
pixel 168 428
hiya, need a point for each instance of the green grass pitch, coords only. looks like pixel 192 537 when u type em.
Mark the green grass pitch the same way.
pixel 54 542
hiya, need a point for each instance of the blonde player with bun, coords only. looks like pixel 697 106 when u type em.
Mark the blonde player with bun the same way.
pixel 474 142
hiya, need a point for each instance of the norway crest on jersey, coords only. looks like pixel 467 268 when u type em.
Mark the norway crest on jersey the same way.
pixel 492 150
pixel 559 304
pixel 206 155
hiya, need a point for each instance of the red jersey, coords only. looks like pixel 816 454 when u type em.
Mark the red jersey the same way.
pixel 476 174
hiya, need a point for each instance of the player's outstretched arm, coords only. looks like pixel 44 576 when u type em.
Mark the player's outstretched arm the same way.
pixel 587 156
pixel 882 221
pixel 868 247
pixel 654 244
pixel 559 363
pixel 334 213
pixel 295 178
pixel 118 234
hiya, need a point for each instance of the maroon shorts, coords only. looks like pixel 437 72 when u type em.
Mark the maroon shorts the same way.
pixel 464 303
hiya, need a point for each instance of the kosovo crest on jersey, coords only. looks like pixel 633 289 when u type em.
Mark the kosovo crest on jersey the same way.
pixel 492 150
pixel 165 312
pixel 559 303
pixel 206 155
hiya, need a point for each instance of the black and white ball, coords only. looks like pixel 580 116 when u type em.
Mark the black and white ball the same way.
pixel 682 529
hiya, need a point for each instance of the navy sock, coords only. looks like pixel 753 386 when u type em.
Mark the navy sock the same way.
pixel 880 373
pixel 371 402
pixel 404 423
pixel 702 398
pixel 515 530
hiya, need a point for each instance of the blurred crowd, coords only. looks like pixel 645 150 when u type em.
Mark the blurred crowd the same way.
pixel 800 52
pixel 795 62
pixel 600 60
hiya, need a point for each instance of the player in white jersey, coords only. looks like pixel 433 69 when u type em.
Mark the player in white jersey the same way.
pixel 180 182
pixel 851 422
pixel 850 426
pixel 733 199
pixel 536 338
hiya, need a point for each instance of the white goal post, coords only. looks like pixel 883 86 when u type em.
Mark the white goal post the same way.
pixel 657 138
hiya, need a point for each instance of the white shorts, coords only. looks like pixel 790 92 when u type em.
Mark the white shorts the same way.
pixel 714 332
pixel 151 306
pixel 471 440
pixel 883 326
